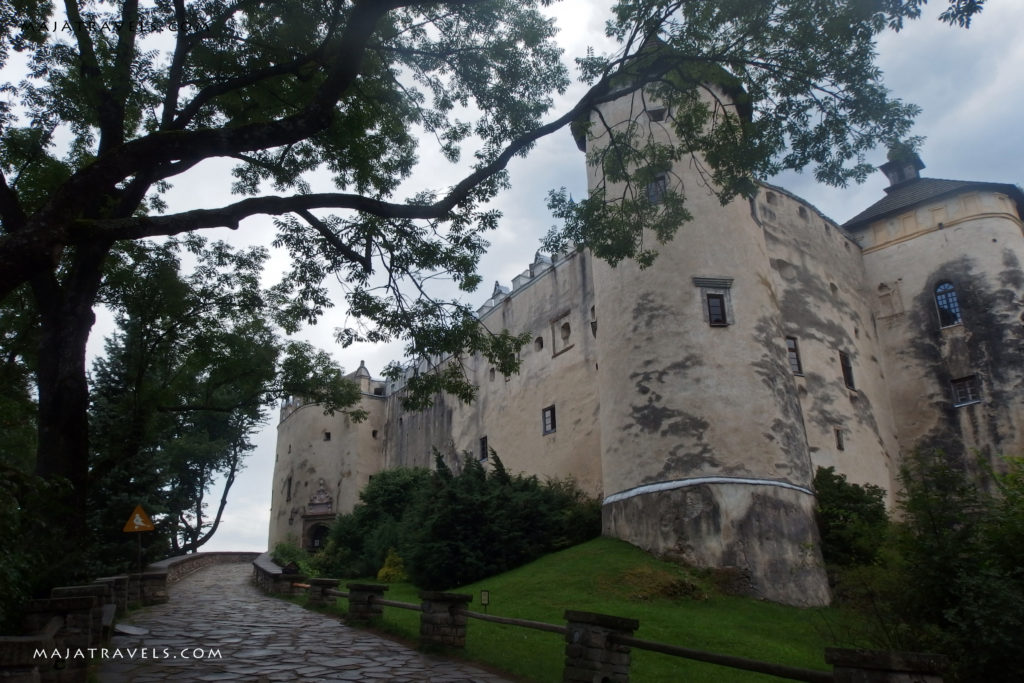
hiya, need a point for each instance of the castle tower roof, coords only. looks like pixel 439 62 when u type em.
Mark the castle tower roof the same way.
pixel 909 193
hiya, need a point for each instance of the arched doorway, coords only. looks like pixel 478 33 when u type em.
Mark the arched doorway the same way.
pixel 317 538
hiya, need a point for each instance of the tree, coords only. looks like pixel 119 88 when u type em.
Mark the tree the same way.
pixel 851 518
pixel 960 584
pixel 183 385
pixel 347 88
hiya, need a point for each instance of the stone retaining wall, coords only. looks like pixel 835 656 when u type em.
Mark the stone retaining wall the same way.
pixel 271 577
pixel 76 617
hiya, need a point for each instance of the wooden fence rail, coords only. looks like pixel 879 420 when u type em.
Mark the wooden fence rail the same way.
pixel 733 662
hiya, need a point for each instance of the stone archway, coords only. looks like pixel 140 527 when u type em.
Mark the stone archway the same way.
pixel 316 537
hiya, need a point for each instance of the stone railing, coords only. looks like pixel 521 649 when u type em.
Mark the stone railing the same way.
pixel 181 566
pixel 272 578
pixel 598 646
pixel 77 618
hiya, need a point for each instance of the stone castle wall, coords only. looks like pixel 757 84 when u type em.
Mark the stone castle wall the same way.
pixel 702 439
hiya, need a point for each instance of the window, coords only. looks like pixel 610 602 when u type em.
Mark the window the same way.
pixel 716 310
pixel 538 344
pixel 844 361
pixel 840 444
pixel 327 436
pixel 484 450
pixel 548 419
pixel 657 114
pixel 716 300
pixel 656 189
pixel 794 356
pixel 948 305
pixel 561 334
pixel 966 390
pixel 491 374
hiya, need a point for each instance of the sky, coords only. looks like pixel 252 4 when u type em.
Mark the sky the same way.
pixel 969 83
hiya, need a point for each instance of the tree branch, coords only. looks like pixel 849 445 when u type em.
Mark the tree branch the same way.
pixel 11 213
pixel 335 242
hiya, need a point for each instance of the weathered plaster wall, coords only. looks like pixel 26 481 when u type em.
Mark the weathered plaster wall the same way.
pixel 304 457
pixel 973 241
pixel 818 277
pixel 681 400
pixel 555 306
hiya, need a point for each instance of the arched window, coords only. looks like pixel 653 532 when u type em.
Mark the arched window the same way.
pixel 947 304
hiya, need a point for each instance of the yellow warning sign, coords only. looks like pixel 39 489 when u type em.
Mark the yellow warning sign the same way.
pixel 139 521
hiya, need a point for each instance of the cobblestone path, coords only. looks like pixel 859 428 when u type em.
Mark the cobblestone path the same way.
pixel 260 639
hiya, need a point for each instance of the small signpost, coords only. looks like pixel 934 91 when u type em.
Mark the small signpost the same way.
pixel 139 521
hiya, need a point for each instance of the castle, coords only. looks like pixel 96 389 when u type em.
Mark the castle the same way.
pixel 697 397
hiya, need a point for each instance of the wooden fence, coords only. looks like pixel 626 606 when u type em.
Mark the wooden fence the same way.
pixel 597 646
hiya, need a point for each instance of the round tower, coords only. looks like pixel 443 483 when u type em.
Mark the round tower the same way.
pixel 703 449
pixel 322 463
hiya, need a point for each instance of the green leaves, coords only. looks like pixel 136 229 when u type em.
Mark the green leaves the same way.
pixel 455 528
pixel 185 382
pixel 728 93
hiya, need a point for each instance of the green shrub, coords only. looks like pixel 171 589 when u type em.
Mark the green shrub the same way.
pixel 393 570
pixel 289 552
pixel 454 529
pixel 480 523
pixel 851 519
pixel 950 578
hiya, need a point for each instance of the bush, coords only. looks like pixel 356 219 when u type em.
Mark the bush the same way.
pixel 851 519
pixel 455 529
pixel 358 543
pixel 289 552
pixel 393 570
pixel 950 578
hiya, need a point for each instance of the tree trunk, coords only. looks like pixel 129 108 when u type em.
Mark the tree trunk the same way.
pixel 66 319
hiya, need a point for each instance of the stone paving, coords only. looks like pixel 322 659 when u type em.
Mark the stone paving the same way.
pixel 260 639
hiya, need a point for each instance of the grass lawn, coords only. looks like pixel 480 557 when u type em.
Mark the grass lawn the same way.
pixel 613 577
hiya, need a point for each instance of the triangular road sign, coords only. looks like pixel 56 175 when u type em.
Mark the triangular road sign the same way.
pixel 139 521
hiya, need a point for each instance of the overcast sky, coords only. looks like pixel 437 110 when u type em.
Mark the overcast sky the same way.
pixel 970 84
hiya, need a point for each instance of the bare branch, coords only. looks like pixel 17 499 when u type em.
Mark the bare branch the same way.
pixel 335 242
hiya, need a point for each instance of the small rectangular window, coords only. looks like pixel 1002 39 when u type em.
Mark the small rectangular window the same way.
pixel 844 361
pixel 548 419
pixel 484 449
pixel 656 189
pixel 966 390
pixel 794 356
pixel 327 436
pixel 657 114
pixel 716 310
pixel 840 444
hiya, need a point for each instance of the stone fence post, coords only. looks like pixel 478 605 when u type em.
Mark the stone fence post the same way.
pixel 875 666
pixel 439 624
pixel 153 587
pixel 361 603
pixel 318 591
pixel 590 655
pixel 119 590
pixel 104 596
